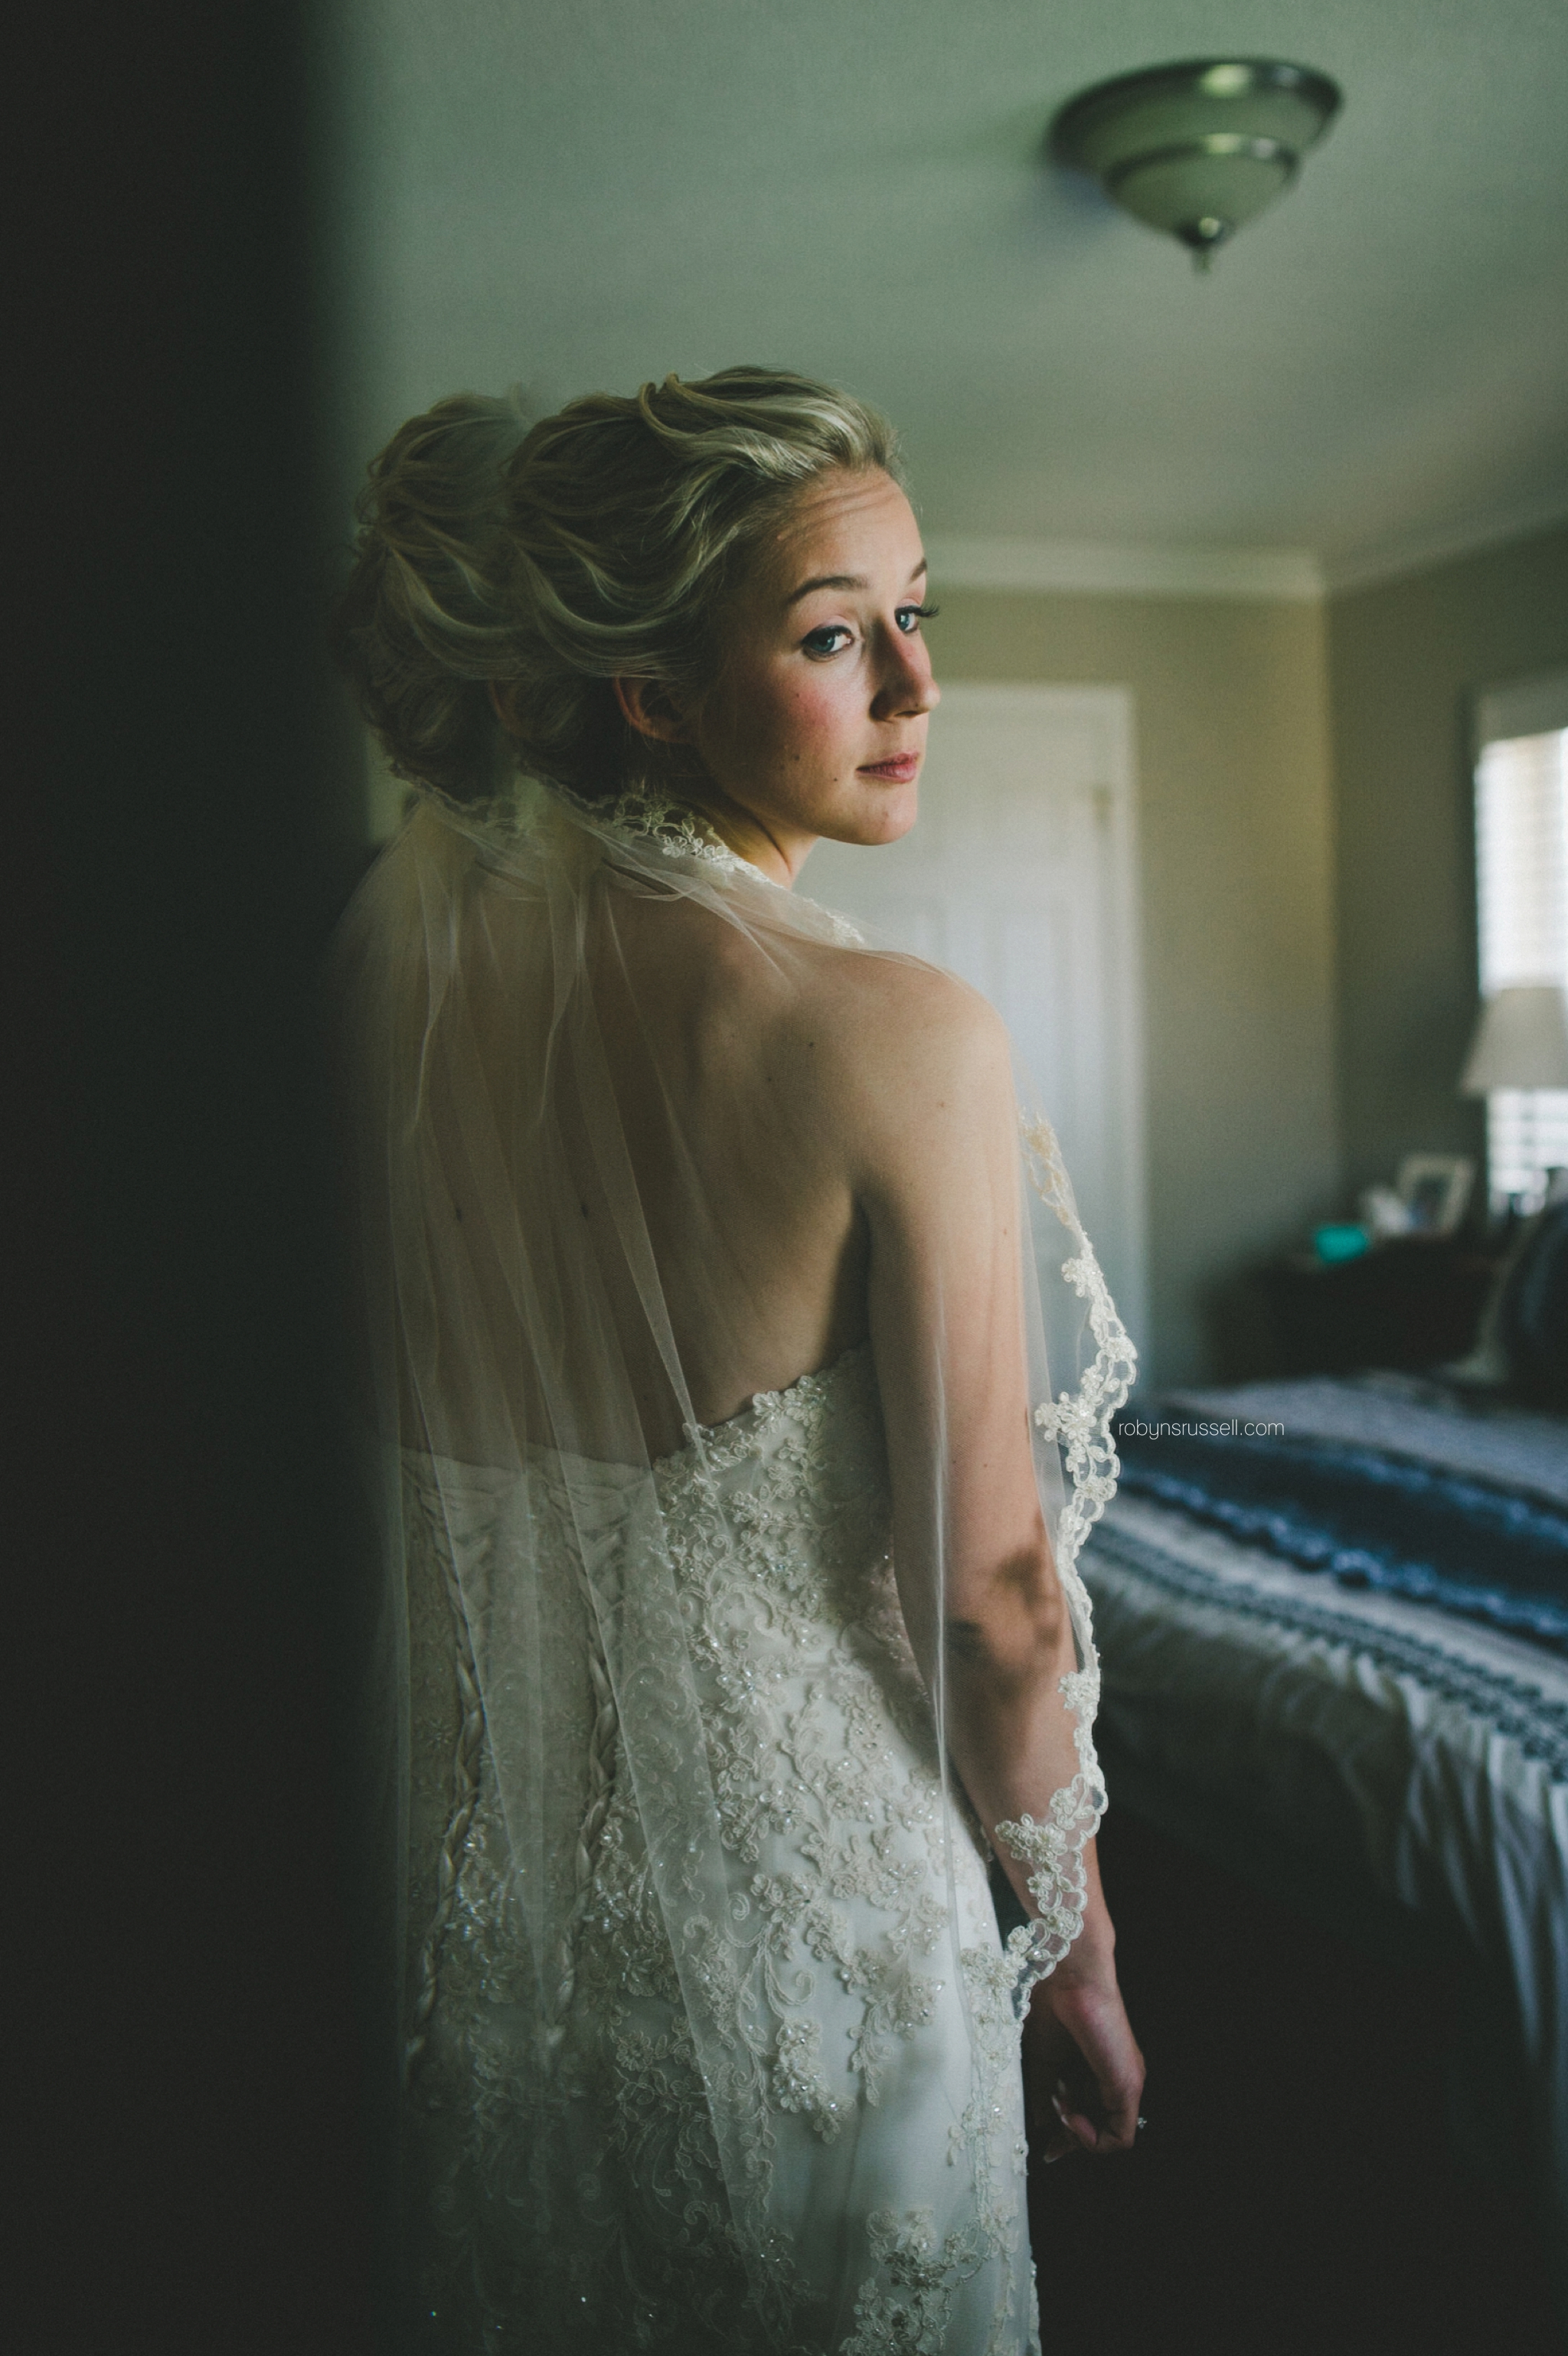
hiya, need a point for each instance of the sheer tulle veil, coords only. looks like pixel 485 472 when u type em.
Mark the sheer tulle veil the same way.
pixel 523 1386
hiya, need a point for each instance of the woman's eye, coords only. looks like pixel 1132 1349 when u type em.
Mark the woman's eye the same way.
pixel 910 617
pixel 826 641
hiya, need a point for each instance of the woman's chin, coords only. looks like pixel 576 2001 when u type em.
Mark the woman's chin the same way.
pixel 883 810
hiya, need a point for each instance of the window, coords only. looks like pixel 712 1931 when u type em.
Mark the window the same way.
pixel 1521 894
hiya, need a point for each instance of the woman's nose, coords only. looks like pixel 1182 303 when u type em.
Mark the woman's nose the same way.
pixel 907 685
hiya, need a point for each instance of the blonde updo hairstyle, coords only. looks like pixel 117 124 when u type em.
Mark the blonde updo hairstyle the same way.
pixel 552 557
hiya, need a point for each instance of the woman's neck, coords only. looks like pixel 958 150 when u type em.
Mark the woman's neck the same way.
pixel 778 853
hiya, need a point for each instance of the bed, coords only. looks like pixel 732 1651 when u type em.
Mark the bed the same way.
pixel 1333 1623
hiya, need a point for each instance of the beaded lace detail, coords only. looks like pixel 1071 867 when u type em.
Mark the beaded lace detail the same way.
pixel 676 827
pixel 1080 1422
pixel 647 815
pixel 823 1765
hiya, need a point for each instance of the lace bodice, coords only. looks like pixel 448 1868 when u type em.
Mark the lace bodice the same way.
pixel 840 2028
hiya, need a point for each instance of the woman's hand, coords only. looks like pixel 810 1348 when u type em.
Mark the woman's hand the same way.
pixel 1084 2074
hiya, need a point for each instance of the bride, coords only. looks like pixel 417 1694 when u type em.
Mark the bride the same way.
pixel 738 1386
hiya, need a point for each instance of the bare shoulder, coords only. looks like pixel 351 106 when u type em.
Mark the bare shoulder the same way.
pixel 904 1049
pixel 869 1003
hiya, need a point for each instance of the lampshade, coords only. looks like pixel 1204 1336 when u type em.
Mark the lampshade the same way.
pixel 1196 149
pixel 1520 1042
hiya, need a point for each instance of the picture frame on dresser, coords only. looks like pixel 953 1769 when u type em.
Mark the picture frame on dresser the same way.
pixel 1435 1189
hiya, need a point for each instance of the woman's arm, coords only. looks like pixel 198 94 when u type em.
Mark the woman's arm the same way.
pixel 938 1181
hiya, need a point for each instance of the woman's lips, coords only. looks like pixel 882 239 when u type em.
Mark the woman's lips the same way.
pixel 898 772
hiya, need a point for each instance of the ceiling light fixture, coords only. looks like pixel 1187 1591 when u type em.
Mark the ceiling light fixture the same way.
pixel 1198 149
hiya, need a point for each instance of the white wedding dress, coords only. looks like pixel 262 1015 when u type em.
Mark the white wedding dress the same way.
pixel 708 2041
pixel 887 2126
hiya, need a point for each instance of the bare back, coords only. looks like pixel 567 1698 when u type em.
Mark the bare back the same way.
pixel 728 1062
pixel 771 1146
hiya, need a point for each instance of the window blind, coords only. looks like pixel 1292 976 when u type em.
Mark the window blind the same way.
pixel 1522 892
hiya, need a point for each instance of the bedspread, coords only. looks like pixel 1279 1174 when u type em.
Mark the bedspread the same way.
pixel 1348 1727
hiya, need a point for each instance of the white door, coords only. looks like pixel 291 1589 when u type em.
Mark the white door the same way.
pixel 1021 876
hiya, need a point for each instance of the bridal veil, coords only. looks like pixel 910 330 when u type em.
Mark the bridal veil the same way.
pixel 521 1356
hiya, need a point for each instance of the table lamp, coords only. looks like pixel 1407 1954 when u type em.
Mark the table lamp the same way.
pixel 1520 1042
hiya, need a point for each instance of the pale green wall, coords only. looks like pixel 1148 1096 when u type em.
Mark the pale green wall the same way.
pixel 1235 819
pixel 1308 908
pixel 1405 661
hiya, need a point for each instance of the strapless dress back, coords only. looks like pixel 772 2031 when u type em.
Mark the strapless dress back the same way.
pixel 566 2194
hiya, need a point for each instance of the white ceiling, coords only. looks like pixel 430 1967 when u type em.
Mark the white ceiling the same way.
pixel 578 194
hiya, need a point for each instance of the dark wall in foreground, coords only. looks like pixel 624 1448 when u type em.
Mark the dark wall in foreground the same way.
pixel 1405 659
pixel 190 2141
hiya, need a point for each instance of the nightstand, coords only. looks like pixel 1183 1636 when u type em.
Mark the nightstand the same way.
pixel 1413 1302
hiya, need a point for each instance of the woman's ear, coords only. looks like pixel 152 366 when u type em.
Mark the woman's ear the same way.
pixel 503 702
pixel 647 705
